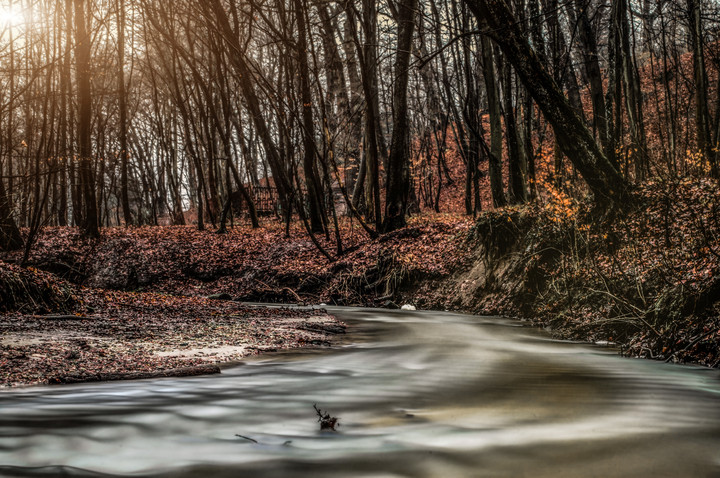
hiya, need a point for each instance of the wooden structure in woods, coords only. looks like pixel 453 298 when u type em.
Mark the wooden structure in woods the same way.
pixel 266 200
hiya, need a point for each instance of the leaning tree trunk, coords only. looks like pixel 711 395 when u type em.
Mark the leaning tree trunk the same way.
pixel 215 10
pixel 575 140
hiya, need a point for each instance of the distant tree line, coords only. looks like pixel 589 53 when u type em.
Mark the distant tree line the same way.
pixel 124 112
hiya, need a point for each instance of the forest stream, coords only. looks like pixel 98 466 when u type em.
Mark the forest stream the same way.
pixel 417 394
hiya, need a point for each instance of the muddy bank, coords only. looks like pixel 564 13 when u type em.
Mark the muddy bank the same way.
pixel 112 335
pixel 136 337
pixel 645 281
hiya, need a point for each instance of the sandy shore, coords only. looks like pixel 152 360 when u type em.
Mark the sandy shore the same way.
pixel 131 335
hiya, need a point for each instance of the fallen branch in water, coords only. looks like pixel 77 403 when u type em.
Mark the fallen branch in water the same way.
pixel 326 421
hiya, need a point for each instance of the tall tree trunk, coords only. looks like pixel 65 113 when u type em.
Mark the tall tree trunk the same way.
pixel 493 98
pixel 339 103
pixel 122 106
pixel 702 114
pixel 10 237
pixel 590 55
pixel 631 85
pixel 398 174
pixel 516 177
pixel 65 124
pixel 472 123
pixel 312 180
pixel 245 77
pixel 90 224
pixel 368 72
pixel 355 116
pixel 367 54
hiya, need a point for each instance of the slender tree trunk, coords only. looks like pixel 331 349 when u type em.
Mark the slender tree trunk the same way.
pixel 354 114
pixel 10 237
pixel 516 179
pixel 493 98
pixel 702 114
pixel 590 54
pixel 284 187
pixel 367 55
pixel 122 106
pixel 338 95
pixel 631 85
pixel 670 113
pixel 368 72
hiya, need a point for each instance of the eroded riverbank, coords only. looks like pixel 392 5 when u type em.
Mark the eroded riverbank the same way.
pixel 646 280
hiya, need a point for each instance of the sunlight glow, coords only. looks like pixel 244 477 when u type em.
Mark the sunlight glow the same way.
pixel 10 17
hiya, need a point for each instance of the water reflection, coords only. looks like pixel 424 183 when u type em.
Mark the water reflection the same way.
pixel 419 394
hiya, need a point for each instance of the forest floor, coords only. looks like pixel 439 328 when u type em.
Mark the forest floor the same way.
pixel 646 281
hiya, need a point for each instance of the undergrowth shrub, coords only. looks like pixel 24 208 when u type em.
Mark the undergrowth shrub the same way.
pixel 34 291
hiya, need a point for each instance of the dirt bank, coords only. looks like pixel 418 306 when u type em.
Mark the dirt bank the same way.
pixel 645 280
pixel 53 332
pixel 261 265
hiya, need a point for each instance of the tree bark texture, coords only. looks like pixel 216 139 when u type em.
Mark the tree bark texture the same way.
pixel 90 225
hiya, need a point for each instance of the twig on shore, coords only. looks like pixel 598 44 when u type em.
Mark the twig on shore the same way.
pixel 691 344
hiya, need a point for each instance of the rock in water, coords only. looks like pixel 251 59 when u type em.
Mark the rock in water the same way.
pixel 408 307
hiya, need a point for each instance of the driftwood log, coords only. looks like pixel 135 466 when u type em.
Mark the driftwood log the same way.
pixel 64 317
pixel 106 377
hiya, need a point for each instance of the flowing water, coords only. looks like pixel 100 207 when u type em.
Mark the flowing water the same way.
pixel 418 394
